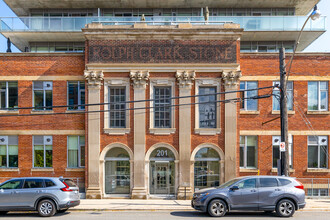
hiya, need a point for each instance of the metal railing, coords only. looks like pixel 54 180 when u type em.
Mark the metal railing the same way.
pixel 75 24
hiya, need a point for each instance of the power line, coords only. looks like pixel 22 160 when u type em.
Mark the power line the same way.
pixel 140 108
pixel 135 101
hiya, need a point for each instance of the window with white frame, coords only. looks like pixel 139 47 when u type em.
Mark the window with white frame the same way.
pixel 317 192
pixel 207 107
pixel 248 151
pixel 318 96
pixel 8 151
pixel 246 103
pixel 117 106
pixel 42 95
pixel 76 95
pixel 162 107
pixel 277 94
pixel 318 152
pixel 76 151
pixel 276 150
pixel 42 151
pixel 8 95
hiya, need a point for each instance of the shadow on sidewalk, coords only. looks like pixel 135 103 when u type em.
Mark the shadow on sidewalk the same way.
pixel 196 214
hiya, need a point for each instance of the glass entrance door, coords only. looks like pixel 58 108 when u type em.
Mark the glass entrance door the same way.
pixel 161 181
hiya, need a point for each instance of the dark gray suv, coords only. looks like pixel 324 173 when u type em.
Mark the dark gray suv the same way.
pixel 256 193
pixel 45 194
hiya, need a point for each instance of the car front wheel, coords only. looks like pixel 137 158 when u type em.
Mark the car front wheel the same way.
pixel 285 208
pixel 217 208
pixel 46 208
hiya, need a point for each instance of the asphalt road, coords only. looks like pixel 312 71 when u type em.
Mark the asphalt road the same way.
pixel 164 215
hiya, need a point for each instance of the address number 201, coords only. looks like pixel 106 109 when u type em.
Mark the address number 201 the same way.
pixel 161 153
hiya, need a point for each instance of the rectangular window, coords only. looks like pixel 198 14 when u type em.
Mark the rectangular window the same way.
pixel 76 95
pixel 76 151
pixel 318 96
pixel 277 153
pixel 246 103
pixel 42 151
pixel 8 95
pixel 248 151
pixel 8 151
pixel 162 107
pixel 318 192
pixel 207 107
pixel 117 107
pixel 42 95
pixel 276 96
pixel 317 151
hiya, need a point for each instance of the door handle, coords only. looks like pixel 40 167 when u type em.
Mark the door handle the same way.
pixel 253 190
pixel 277 189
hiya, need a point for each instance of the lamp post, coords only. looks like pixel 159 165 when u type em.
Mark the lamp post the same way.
pixel 283 96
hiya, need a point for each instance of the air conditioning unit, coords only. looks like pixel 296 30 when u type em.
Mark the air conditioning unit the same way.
pixel 48 85
pixel 3 140
pixel 323 140
pixel 276 140
pixel 48 140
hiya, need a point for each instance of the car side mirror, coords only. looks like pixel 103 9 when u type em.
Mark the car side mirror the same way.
pixel 234 188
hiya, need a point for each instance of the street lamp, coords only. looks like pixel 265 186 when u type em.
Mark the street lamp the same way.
pixel 283 95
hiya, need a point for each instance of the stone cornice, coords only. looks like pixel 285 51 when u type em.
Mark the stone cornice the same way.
pixel 94 78
pixel 185 78
pixel 139 78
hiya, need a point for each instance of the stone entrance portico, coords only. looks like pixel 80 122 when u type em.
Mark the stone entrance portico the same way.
pixel 205 57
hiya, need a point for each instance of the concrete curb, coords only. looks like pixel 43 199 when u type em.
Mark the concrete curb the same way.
pixel 173 210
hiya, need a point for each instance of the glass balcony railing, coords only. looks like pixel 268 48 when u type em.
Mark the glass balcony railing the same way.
pixel 75 24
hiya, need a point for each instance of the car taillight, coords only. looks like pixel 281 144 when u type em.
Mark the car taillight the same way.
pixel 301 186
pixel 66 188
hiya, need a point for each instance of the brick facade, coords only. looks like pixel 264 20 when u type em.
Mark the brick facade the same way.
pixel 255 67
pixel 26 69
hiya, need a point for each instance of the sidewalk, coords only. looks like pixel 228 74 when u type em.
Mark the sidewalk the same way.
pixel 169 205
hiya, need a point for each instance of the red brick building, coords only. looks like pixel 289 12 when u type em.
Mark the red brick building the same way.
pixel 158 109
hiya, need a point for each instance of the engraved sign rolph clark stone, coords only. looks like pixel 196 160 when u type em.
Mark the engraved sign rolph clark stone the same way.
pixel 162 51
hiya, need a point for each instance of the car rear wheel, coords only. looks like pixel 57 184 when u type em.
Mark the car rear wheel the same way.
pixel 285 208
pixel 217 208
pixel 46 208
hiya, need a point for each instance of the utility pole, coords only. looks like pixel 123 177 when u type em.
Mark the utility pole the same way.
pixel 284 115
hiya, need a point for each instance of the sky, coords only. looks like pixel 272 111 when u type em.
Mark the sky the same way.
pixel 322 44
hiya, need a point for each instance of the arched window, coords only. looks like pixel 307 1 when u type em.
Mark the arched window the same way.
pixel 117 171
pixel 206 168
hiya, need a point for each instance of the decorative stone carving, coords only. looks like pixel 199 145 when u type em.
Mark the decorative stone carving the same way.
pixel 185 78
pixel 139 78
pixel 94 78
pixel 231 78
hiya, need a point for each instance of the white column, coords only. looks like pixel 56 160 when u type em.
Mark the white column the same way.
pixel 185 79
pixel 139 81
pixel 231 80
pixel 93 122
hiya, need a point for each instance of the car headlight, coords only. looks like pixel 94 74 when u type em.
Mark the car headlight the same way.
pixel 203 194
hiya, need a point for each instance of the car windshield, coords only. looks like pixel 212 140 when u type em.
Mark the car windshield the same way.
pixel 229 183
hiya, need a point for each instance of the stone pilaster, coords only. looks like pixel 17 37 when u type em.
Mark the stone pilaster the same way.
pixel 139 82
pixel 94 82
pixel 230 81
pixel 185 80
